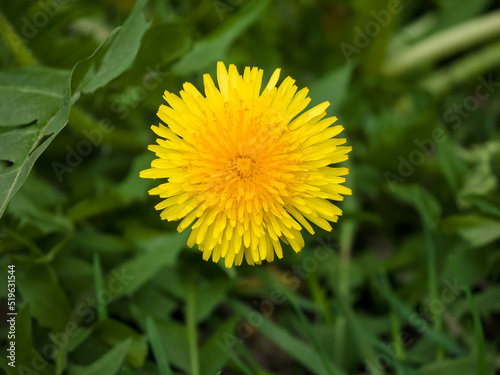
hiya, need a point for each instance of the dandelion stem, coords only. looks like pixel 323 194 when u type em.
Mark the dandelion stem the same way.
pixel 347 231
pixel 318 295
pixel 191 328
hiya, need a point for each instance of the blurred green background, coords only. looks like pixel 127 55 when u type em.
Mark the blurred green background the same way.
pixel 406 283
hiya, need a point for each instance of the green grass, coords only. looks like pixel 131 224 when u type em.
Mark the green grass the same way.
pixel 407 282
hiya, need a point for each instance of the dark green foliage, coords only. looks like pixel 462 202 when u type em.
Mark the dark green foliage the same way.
pixel 408 280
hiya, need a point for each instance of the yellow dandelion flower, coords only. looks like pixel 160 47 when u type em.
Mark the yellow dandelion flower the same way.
pixel 244 169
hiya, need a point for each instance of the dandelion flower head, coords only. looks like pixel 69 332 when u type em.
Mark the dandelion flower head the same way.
pixel 244 168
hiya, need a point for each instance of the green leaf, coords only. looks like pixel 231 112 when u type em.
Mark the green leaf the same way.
pixel 133 188
pixel 79 337
pixel 99 288
pixel 452 165
pixel 410 315
pixel 42 97
pixel 333 87
pixel 108 364
pixel 159 251
pixel 174 340
pixel 320 349
pixel 23 342
pixel 480 181
pixel 488 204
pixel 29 94
pixel 150 301
pixel 42 111
pixel 460 366
pixel 209 296
pixel 213 356
pixel 30 206
pixel 171 280
pixel 121 53
pixel 295 348
pixel 38 285
pixel 157 347
pixel 481 365
pixel 453 12
pixel 113 332
pixel 487 302
pixel 426 204
pixel 214 46
pixel 179 42
pixel 477 230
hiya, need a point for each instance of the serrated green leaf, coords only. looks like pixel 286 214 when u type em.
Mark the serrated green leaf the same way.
pixel 30 94
pixel 46 110
pixel 42 97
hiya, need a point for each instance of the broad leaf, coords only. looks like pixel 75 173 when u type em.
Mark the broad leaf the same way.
pixel 37 116
pixel 36 101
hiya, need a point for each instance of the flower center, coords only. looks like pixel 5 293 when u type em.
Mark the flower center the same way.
pixel 243 165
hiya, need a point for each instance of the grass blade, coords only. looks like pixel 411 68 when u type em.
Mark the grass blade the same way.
pixel 157 347
pixel 478 328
